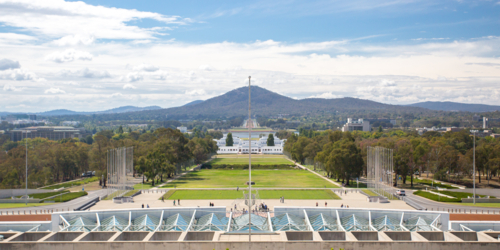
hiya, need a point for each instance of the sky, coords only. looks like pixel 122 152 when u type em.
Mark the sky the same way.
pixel 98 55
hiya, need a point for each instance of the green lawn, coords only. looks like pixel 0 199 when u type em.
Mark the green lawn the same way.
pixel 147 185
pixel 255 160
pixel 211 178
pixel 479 204
pixel 69 196
pixel 19 205
pixel 73 183
pixel 298 194
pixel 369 192
pixel 458 196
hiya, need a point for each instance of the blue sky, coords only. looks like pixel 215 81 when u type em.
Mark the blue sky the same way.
pixel 95 55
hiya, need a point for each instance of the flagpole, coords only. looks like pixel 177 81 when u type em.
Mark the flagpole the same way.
pixel 249 168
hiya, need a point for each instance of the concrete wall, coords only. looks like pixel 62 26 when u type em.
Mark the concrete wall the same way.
pixel 7 193
pixel 297 245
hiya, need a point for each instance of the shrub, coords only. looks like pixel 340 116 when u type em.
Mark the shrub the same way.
pixel 245 166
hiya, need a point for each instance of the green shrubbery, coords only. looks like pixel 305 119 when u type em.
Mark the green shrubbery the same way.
pixel 458 196
pixel 245 166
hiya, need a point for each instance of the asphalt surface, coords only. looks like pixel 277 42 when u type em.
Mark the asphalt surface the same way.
pixel 70 205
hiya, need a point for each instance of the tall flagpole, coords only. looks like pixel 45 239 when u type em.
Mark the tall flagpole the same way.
pixel 249 169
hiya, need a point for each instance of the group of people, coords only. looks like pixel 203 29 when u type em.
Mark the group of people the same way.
pixel 263 207
pixel 178 202
pixel 143 205
pixel 211 204
pixel 282 199
pixel 326 204
pixel 342 206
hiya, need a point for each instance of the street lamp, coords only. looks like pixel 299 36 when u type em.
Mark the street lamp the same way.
pixel 474 167
pixel 26 146
pixel 249 168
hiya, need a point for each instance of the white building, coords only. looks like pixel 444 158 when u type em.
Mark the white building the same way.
pixel 485 123
pixel 358 125
pixel 70 123
pixel 182 129
pixel 258 147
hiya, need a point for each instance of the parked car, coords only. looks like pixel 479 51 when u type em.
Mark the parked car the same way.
pixel 400 192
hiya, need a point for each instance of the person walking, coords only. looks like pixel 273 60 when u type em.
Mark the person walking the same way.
pixel 162 199
pixel 142 205
pixel 148 205
pixel 179 202
pixel 316 204
pixel 174 202
pixel 326 204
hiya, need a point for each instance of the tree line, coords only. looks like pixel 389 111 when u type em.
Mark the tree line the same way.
pixel 448 156
pixel 157 155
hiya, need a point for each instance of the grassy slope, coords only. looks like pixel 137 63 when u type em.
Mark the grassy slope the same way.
pixel 69 196
pixel 263 178
pixel 458 196
pixel 264 194
pixel 244 160
pixel 73 183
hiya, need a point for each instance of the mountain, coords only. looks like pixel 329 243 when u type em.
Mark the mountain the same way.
pixel 193 102
pixel 455 106
pixel 265 103
pixel 60 112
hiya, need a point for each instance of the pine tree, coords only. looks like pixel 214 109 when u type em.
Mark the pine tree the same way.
pixel 120 130
pixel 270 140
pixel 229 140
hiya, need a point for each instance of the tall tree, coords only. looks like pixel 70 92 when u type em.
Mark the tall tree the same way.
pixel 270 140
pixel 229 140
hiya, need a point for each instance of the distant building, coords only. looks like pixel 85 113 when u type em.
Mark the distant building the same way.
pixel 54 133
pixel 182 129
pixel 495 135
pixel 358 125
pixel 453 129
pixel 70 123
pixel 476 118
pixel 32 117
pixel 485 123
pixel 0 119
pixel 242 147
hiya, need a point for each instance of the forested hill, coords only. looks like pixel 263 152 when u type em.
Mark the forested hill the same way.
pixel 455 106
pixel 264 103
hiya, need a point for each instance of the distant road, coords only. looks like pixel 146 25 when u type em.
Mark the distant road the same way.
pixel 70 205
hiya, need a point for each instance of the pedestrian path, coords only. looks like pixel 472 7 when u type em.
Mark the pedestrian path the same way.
pixel 333 182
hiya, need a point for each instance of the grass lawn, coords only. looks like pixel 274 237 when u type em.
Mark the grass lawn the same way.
pixel 246 156
pixel 69 196
pixel 45 195
pixel 263 194
pixel 255 160
pixel 478 204
pixel 369 192
pixel 19 205
pixel 211 178
pixel 73 183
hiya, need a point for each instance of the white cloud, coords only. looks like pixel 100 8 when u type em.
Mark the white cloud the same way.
pixel 206 67
pixel 96 86
pixel 86 73
pixel 129 86
pixel 13 38
pixel 10 87
pixel 115 95
pixel 72 83
pixel 146 67
pixel 134 77
pixel 55 91
pixel 9 64
pixel 58 18
pixel 327 95
pixel 69 55
pixel 196 92
pixel 73 40
pixel 19 75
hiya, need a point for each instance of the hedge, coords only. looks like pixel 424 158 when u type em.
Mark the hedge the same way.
pixel 69 196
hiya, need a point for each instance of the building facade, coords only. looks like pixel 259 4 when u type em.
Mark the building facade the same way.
pixel 359 125
pixel 182 129
pixel 242 146
pixel 54 133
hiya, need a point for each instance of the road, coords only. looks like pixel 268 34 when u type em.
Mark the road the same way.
pixel 433 205
pixel 70 205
